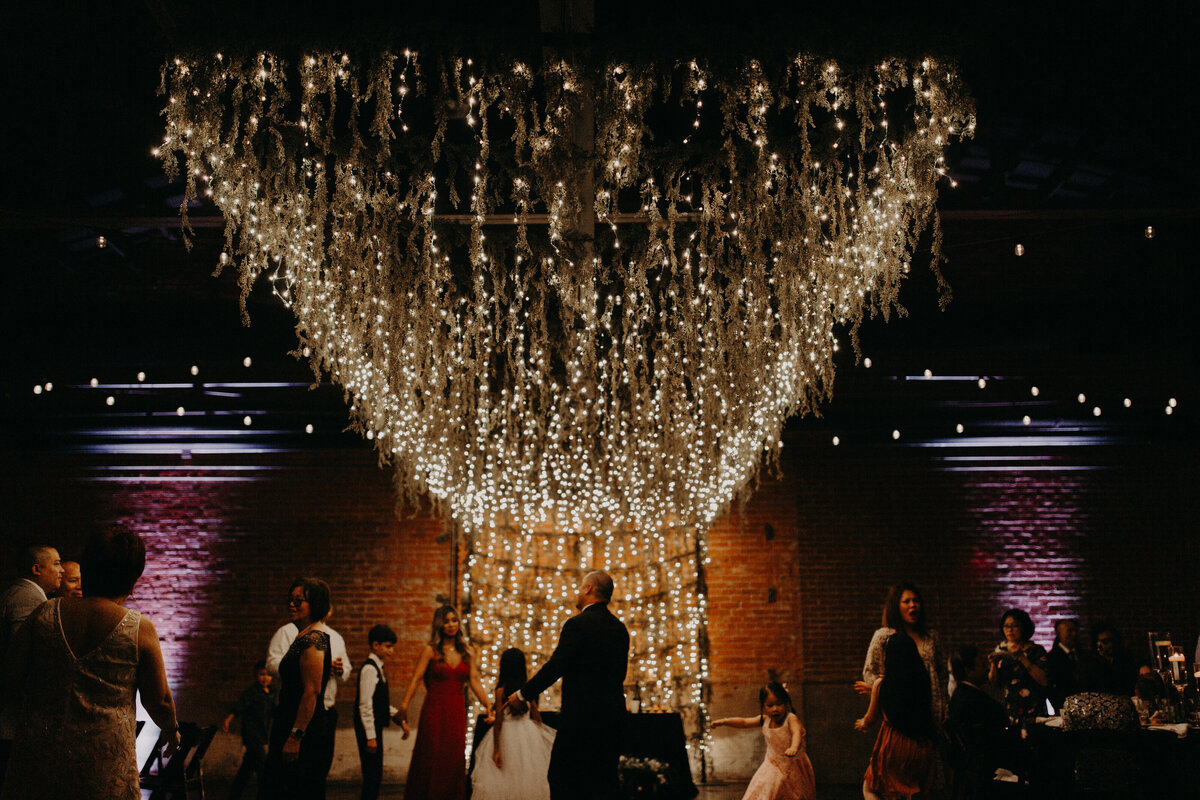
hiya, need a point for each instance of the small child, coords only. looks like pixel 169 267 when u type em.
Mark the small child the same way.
pixel 786 773
pixel 513 757
pixel 373 711
pixel 255 706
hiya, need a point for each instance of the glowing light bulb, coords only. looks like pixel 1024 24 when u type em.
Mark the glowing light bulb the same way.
pixel 141 376
pixel 195 370
pixel 94 382
pixel 247 361
pixel 108 401
pixel 836 441
pixel 101 242
pixel 1096 411
pixel 1025 420
pixel 1172 402
pixel 1169 410
pixel 1081 397
pixel 1019 250
pixel 308 428
pixel 982 383
pixel 1035 391
pixel 928 373
pixel 896 434
pixel 246 420
pixel 867 363
pixel 959 428
pixel 179 412
pixel 37 389
pixel 1128 402
pixel 1150 232
pixel 49 386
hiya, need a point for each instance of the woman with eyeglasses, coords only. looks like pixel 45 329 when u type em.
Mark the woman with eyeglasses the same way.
pixel 1018 667
pixel 300 731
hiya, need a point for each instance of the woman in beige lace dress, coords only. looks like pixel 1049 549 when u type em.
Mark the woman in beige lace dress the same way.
pixel 75 668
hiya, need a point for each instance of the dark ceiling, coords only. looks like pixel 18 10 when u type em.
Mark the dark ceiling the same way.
pixel 1085 139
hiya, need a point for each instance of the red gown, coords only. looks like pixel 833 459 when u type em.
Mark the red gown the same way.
pixel 438 768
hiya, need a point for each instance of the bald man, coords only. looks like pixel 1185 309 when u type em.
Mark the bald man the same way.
pixel 591 658
pixel 41 575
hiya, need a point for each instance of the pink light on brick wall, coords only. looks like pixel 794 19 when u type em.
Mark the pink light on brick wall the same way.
pixel 1026 533
pixel 179 517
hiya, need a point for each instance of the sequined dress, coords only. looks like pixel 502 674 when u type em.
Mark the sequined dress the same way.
pixel 78 724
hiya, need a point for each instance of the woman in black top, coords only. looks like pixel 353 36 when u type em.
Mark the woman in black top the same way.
pixel 300 731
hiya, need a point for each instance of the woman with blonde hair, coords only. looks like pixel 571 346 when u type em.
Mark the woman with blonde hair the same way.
pixel 446 665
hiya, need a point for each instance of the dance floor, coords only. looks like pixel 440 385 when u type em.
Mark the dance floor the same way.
pixel 217 788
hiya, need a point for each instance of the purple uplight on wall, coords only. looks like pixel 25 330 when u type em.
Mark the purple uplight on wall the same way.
pixel 177 518
pixel 1026 535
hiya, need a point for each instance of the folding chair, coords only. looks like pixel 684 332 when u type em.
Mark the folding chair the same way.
pixel 172 778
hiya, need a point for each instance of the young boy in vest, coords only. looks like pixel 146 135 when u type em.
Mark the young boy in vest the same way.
pixel 373 711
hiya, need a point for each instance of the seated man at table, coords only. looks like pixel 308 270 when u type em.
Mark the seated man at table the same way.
pixel 1110 669
pixel 977 724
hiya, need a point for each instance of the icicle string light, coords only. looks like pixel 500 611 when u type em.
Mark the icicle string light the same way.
pixel 579 377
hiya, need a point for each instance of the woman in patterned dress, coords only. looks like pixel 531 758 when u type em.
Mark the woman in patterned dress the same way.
pixel 904 610
pixel 1018 667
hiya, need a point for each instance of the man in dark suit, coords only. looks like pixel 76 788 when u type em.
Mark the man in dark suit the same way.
pixel 976 723
pixel 1062 663
pixel 592 657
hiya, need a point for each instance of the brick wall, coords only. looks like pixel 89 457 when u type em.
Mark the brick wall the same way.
pixel 796 578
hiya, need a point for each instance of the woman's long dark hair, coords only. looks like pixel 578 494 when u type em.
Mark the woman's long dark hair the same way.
pixel 512 671
pixel 905 693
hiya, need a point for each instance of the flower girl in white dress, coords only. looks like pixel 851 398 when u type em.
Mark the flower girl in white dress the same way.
pixel 513 757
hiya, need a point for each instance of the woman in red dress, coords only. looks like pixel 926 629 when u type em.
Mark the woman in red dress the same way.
pixel 446 664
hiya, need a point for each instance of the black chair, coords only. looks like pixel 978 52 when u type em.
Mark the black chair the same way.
pixel 1106 764
pixel 181 775
pixel 974 781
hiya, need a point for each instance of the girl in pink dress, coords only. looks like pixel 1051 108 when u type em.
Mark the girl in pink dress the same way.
pixel 786 773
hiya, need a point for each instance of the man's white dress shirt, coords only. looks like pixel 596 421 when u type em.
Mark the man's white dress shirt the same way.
pixel 283 639
pixel 368 679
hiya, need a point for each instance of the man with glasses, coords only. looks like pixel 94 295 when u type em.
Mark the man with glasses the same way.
pixel 1110 669
pixel 342 668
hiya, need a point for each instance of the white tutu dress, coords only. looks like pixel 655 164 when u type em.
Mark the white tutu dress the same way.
pixel 525 753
